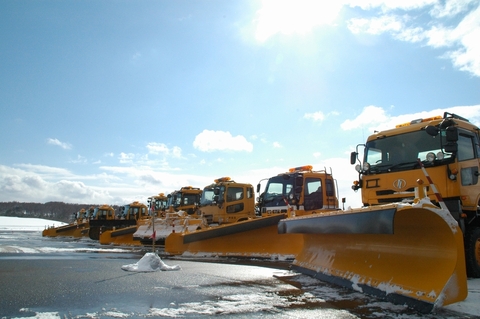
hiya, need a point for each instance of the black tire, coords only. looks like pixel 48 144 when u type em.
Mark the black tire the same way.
pixel 472 252
pixel 94 233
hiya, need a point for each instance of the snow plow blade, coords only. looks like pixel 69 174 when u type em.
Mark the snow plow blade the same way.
pixel 250 238
pixel 159 228
pixel 71 230
pixel 406 254
pixel 122 236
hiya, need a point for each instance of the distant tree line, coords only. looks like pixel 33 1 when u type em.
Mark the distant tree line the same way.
pixel 58 211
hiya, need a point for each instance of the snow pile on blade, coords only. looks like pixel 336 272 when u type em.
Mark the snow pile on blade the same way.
pixel 149 262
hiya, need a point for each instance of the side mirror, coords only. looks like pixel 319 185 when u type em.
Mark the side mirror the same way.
pixel 258 188
pixel 432 130
pixel 451 147
pixel 299 181
pixel 298 189
pixel 451 134
pixel 353 158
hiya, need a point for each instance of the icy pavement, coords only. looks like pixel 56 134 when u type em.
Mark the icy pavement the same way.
pixel 78 278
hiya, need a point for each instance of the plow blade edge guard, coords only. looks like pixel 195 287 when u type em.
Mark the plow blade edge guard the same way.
pixel 404 254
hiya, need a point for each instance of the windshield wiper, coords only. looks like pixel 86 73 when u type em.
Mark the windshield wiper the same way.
pixel 388 167
pixel 403 165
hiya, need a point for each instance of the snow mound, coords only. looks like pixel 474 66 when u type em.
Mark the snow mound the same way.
pixel 149 262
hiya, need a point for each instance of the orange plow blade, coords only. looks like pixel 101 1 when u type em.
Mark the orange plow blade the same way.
pixel 71 230
pixel 122 236
pixel 405 254
pixel 251 238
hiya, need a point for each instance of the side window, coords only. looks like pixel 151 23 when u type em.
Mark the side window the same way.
pixel 465 147
pixel 313 194
pixel 313 185
pixel 329 186
pixel 234 194
pixel 249 192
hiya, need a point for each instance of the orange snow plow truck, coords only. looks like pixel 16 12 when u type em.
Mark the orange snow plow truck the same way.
pixel 418 235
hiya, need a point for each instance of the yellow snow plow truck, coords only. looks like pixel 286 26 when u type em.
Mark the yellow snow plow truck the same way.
pixel 78 228
pixel 159 204
pixel 123 233
pixel 179 214
pixel 238 227
pixel 104 218
pixel 418 234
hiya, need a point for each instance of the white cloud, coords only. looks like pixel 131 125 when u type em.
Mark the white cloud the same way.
pixel 79 160
pixel 156 148
pixel 467 34
pixel 209 141
pixel 377 25
pixel 371 115
pixel 160 148
pixel 316 116
pixel 46 171
pixel 450 8
pixel 438 32
pixel 376 118
pixel 176 152
pixel 293 16
pixel 54 141
pixel 277 145
pixel 389 5
pixel 45 184
pixel 126 157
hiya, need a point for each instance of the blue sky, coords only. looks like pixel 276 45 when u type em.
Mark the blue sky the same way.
pixel 115 101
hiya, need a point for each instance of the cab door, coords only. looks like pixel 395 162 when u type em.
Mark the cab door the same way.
pixel 468 168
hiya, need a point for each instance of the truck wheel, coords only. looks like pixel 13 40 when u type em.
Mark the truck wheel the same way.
pixel 472 252
pixel 94 233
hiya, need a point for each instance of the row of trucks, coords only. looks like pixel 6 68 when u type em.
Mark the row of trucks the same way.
pixel 414 241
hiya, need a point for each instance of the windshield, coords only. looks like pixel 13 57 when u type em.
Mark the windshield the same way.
pixel 401 152
pixel 277 190
pixel 207 196
pixel 179 199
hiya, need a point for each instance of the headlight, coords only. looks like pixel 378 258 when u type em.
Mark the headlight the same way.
pixel 440 155
pixel 358 168
pixel 430 156
pixel 366 166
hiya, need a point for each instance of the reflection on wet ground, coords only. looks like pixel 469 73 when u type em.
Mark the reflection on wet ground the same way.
pixel 78 278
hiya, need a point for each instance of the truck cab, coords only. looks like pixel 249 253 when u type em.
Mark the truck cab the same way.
pixel 300 191
pixel 186 199
pixel 226 201
pixel 448 147
pixel 158 204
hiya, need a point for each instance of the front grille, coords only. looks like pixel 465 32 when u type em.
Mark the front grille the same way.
pixel 386 192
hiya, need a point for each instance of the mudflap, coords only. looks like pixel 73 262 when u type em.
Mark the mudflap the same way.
pixel 251 238
pixel 401 253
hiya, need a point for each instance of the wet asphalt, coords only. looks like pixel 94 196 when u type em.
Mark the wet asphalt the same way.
pixel 78 286
pixel 79 278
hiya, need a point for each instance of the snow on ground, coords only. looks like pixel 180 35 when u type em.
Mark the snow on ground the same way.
pixel 151 262
pixel 27 224
pixel 471 305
